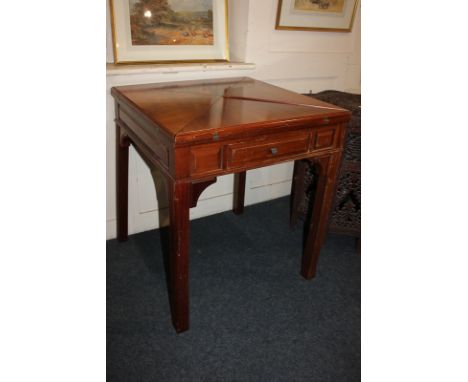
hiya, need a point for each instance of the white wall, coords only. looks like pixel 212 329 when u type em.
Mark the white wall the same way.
pixel 296 60
pixel 302 60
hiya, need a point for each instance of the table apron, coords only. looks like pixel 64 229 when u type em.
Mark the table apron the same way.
pixel 221 158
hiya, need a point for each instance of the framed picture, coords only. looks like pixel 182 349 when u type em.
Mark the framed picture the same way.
pixel 165 31
pixel 316 15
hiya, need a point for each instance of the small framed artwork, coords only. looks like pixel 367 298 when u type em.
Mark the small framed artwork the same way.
pixel 316 15
pixel 168 31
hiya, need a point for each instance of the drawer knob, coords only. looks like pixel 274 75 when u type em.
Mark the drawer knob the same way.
pixel 274 150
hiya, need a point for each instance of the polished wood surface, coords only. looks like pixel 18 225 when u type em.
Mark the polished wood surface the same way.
pixel 195 110
pixel 194 131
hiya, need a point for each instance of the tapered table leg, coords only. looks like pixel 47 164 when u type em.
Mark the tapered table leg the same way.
pixel 122 144
pixel 239 193
pixel 179 206
pixel 327 177
pixel 297 191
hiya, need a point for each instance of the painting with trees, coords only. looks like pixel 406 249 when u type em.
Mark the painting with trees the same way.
pixel 171 22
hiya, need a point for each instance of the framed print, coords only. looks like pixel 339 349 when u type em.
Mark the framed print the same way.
pixel 164 31
pixel 316 15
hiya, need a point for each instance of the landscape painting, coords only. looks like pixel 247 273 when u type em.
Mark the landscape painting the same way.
pixel 171 22
pixel 329 6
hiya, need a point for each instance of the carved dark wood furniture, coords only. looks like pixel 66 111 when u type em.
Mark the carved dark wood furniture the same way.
pixel 194 131
pixel 345 217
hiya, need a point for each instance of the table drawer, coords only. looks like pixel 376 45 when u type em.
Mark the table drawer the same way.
pixel 267 150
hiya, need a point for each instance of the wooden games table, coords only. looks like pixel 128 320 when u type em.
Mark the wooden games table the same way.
pixel 195 131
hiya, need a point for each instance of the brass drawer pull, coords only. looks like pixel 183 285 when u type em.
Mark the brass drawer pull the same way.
pixel 274 150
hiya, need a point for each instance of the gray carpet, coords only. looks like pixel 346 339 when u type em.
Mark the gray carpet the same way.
pixel 253 317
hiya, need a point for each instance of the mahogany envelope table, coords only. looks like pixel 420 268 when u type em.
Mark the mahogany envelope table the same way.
pixel 194 131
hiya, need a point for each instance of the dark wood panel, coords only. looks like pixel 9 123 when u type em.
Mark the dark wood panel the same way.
pixel 325 138
pixel 206 159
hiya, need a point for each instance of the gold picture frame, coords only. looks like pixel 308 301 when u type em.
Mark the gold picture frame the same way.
pixel 316 15
pixel 199 35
